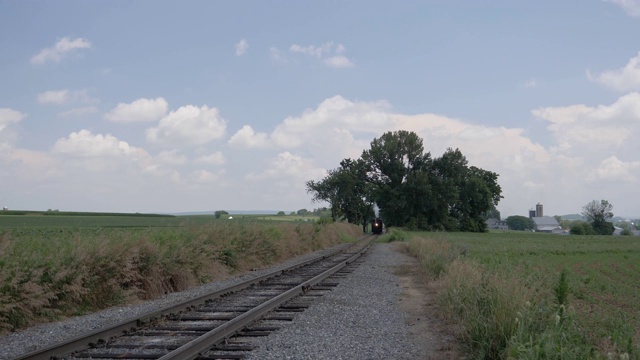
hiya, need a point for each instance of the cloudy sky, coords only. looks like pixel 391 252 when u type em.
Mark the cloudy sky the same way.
pixel 154 106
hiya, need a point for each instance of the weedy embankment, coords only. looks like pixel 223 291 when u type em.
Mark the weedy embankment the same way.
pixel 47 274
pixel 532 297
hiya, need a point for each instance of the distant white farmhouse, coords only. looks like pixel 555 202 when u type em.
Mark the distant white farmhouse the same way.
pixel 497 224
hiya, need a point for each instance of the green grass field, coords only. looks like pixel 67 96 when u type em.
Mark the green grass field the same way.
pixel 38 220
pixel 508 271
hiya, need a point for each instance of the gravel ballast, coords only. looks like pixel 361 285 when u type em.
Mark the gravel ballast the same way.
pixel 359 319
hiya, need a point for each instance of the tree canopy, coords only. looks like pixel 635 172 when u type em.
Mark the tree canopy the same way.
pixel 518 222
pixel 219 213
pixel 409 187
pixel 598 215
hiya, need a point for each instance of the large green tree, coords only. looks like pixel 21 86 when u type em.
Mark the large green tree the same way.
pixel 598 214
pixel 409 187
pixel 347 191
pixel 396 166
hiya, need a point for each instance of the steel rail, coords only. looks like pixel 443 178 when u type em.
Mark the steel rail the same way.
pixel 61 349
pixel 194 348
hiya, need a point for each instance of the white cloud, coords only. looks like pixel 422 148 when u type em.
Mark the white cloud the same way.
pixel 141 110
pixel 10 116
pixel 330 128
pixel 241 47
pixel 247 138
pixel 338 61
pixel 171 157
pixel 329 55
pixel 100 153
pixel 85 144
pixel 188 126
pixel 60 50
pixel 584 128
pixel 26 165
pixel 64 96
pixel 631 7
pixel 312 50
pixel 333 114
pixel 625 79
pixel 206 177
pixel 217 158
pixel 531 83
pixel 277 55
pixel 79 112
pixel 53 97
pixel 613 169
pixel 289 171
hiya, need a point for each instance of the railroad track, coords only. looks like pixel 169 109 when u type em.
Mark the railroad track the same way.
pixel 218 325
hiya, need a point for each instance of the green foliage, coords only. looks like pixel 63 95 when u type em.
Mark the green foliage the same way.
pixel 508 307
pixel 581 228
pixel 599 214
pixel 603 228
pixel 561 290
pixel 493 213
pixel 518 222
pixel 324 220
pixel 219 213
pixel 51 271
pixel 346 190
pixel 409 187
pixel 281 213
pixel 393 235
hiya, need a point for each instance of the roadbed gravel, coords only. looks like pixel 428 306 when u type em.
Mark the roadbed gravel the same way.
pixel 359 319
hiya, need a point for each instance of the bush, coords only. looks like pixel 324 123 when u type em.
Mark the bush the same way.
pixel 394 235
pixel 581 228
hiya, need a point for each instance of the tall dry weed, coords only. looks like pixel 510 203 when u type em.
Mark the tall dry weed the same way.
pixel 43 279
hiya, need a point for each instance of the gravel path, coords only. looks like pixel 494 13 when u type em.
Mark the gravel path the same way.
pixel 359 319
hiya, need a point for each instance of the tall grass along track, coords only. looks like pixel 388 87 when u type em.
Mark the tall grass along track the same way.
pixel 189 329
pixel 516 295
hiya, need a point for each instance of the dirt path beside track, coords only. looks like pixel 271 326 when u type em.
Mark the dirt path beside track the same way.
pixel 418 302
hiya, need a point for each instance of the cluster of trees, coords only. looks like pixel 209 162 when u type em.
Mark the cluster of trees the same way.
pixel 518 222
pixel 598 215
pixel 219 213
pixel 409 187
pixel 320 212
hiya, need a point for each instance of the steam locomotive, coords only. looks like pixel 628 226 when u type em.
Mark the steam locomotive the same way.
pixel 376 226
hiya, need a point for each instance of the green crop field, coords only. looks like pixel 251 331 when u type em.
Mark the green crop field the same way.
pixel 602 274
pixel 40 220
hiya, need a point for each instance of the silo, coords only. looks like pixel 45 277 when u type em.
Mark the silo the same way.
pixel 532 213
pixel 539 210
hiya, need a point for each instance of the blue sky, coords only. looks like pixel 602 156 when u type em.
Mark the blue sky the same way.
pixel 156 106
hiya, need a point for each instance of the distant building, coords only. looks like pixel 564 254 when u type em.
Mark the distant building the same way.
pixel 496 224
pixel 539 212
pixel 5 208
pixel 543 223
pixel 547 224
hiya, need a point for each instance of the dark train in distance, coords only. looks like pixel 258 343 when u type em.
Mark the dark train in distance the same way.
pixel 376 226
